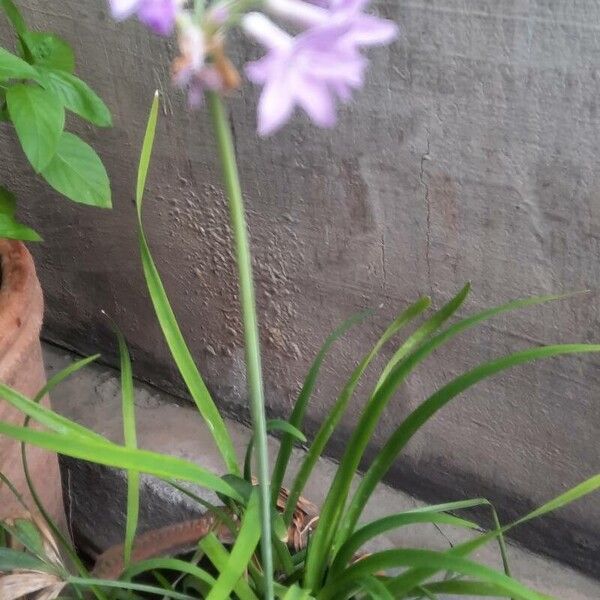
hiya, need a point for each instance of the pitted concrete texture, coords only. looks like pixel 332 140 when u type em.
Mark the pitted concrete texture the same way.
pixel 97 495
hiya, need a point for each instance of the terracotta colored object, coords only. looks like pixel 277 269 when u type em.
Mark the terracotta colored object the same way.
pixel 21 367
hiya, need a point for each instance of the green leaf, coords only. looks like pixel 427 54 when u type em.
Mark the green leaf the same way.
pixel 374 588
pixel 170 564
pixel 398 440
pixel 376 528
pixel 466 588
pixel 168 322
pixel 14 16
pixel 128 585
pixel 221 559
pixel 13 67
pixel 39 120
pixel 297 417
pixel 80 442
pixel 9 227
pixel 130 438
pixel 77 172
pixel 389 559
pixel 335 501
pixel 11 560
pixel 402 369
pixel 272 425
pixel 297 593
pixel 339 408
pixel 27 534
pixel 48 50
pixel 76 96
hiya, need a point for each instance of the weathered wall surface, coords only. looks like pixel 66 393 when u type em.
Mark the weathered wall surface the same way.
pixel 472 154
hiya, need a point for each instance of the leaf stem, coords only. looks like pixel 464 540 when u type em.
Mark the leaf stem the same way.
pixel 248 304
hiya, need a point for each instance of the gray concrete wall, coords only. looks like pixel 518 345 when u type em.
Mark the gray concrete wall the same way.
pixel 472 154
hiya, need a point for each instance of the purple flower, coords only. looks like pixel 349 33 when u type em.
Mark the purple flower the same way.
pixel 363 29
pixel 158 15
pixel 310 70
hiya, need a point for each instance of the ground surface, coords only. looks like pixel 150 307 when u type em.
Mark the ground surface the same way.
pixel 91 397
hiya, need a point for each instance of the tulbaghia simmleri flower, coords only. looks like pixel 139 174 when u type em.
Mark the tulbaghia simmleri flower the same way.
pixel 202 64
pixel 158 15
pixel 315 68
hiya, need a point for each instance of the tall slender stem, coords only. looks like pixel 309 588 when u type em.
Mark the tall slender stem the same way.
pixel 248 304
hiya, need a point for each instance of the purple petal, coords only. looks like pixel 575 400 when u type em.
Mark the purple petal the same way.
pixel 369 30
pixel 159 15
pixel 275 106
pixel 316 100
pixel 121 9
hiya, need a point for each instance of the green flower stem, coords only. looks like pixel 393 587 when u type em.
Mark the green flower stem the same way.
pixel 253 364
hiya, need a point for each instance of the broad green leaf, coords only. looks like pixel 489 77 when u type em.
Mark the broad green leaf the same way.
pixel 14 16
pixel 76 96
pixel 168 322
pixel 9 226
pixel 39 120
pixel 390 559
pixel 13 67
pixel 48 50
pixel 335 501
pixel 221 559
pixel 337 412
pixel 77 172
pixel 11 560
pixel 297 417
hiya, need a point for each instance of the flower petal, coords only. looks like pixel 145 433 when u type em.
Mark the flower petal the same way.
pixel 316 99
pixel 121 9
pixel 275 106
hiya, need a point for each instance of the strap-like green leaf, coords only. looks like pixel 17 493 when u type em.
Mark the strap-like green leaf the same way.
pixel 339 408
pixel 360 537
pixel 336 498
pixel 168 322
pixel 297 417
pixel 390 559
pixel 398 440
pixel 11 560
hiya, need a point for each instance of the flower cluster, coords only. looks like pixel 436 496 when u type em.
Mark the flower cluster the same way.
pixel 314 68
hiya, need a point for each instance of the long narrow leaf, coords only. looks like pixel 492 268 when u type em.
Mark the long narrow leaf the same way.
pixel 360 537
pixel 220 558
pixel 389 559
pixel 113 455
pixel 297 417
pixel 168 321
pixel 130 439
pixel 336 498
pixel 242 552
pixel 127 585
pixel 336 413
pixel 398 440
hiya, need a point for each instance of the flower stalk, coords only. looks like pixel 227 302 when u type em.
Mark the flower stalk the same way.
pixel 239 228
